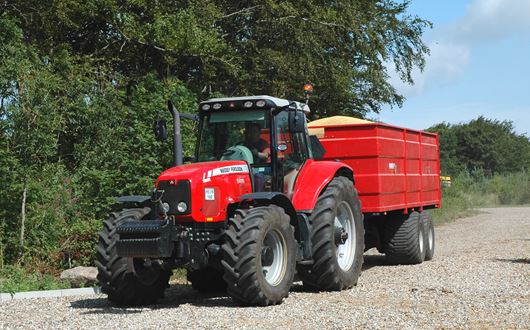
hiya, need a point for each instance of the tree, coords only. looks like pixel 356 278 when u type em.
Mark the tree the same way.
pixel 485 144
pixel 248 47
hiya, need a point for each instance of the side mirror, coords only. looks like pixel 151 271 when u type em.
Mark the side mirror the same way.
pixel 296 121
pixel 160 129
pixel 317 148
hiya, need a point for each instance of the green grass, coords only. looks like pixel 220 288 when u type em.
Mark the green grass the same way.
pixel 472 190
pixel 16 279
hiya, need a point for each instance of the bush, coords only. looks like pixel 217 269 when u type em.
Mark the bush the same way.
pixel 471 190
pixel 16 279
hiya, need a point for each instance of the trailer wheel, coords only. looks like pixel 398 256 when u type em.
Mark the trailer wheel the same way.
pixel 207 280
pixel 337 237
pixel 259 256
pixel 404 239
pixel 428 234
pixel 127 281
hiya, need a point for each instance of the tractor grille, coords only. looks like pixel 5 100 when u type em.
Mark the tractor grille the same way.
pixel 174 194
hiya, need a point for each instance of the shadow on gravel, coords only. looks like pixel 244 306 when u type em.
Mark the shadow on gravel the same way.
pixel 514 261
pixel 175 296
pixel 179 294
pixel 374 260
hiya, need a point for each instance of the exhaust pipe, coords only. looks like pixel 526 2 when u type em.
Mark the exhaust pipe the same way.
pixel 177 137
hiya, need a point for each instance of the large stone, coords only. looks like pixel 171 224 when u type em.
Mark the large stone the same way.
pixel 80 276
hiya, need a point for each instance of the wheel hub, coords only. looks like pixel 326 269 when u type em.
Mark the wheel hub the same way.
pixel 273 257
pixel 267 256
pixel 345 236
pixel 340 235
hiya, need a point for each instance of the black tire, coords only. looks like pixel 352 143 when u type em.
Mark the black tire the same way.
pixel 404 240
pixel 245 250
pixel 328 271
pixel 127 282
pixel 207 279
pixel 428 235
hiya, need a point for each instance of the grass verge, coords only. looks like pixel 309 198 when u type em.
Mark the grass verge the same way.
pixel 472 190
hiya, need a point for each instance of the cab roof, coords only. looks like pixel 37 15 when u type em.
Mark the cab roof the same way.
pixel 237 103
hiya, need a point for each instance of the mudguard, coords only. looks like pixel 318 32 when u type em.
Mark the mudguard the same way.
pixel 275 198
pixel 313 178
pixel 282 201
pixel 133 199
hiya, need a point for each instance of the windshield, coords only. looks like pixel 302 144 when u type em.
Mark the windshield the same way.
pixel 242 135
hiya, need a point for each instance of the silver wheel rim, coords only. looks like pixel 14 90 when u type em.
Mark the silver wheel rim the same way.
pixel 420 238
pixel 275 272
pixel 346 252
pixel 431 238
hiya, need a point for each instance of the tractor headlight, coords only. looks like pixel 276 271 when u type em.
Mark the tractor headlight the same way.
pixel 182 207
pixel 248 104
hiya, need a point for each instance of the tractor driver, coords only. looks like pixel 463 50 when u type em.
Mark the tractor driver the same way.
pixel 260 148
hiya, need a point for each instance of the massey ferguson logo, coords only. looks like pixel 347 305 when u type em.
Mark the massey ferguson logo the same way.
pixel 223 171
pixel 231 169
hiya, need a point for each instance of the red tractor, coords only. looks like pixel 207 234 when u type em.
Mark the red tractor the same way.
pixel 256 207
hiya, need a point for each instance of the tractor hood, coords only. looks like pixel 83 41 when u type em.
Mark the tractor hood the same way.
pixel 204 171
pixel 207 189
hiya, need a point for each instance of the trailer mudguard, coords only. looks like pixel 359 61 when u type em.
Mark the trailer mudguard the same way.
pixel 313 178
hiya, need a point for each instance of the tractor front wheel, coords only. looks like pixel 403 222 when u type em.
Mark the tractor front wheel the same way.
pixel 127 281
pixel 259 256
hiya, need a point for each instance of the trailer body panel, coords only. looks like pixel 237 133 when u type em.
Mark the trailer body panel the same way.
pixel 395 168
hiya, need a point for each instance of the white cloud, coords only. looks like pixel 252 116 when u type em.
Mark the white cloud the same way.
pixel 486 21
pixel 493 20
pixel 445 64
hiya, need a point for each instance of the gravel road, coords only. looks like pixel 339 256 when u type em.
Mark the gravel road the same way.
pixel 479 278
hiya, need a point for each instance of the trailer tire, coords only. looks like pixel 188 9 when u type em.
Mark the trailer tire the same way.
pixel 330 271
pixel 126 281
pixel 428 234
pixel 404 239
pixel 259 256
pixel 207 279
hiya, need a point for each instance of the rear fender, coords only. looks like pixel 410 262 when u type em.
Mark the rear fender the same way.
pixel 313 178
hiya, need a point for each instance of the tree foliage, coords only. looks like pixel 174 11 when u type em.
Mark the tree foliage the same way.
pixel 482 144
pixel 242 47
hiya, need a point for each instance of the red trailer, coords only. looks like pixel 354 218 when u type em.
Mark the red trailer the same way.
pixel 397 175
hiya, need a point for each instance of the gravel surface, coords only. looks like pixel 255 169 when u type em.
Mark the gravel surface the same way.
pixel 479 278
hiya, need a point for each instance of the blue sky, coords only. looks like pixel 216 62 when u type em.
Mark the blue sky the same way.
pixel 479 65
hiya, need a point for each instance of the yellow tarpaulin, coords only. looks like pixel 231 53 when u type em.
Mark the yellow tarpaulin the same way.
pixel 333 121
pixel 337 120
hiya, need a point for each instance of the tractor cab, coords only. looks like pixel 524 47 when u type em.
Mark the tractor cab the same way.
pixel 268 133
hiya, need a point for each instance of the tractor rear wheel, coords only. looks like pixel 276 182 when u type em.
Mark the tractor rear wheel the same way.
pixel 404 239
pixel 259 256
pixel 428 234
pixel 337 237
pixel 207 279
pixel 127 281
